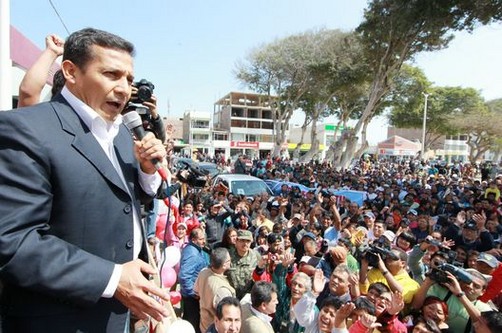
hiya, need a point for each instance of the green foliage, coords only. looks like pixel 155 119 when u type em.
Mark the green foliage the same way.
pixel 444 103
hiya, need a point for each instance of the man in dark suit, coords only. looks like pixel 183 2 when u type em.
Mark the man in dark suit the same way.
pixel 71 181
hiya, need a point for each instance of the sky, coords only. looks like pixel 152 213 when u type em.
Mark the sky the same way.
pixel 189 49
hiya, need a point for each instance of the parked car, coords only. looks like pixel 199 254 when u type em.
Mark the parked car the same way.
pixel 238 184
pixel 211 168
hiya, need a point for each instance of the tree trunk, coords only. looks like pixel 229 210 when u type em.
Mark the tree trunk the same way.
pixel 377 91
pixel 314 146
pixel 364 144
pixel 296 151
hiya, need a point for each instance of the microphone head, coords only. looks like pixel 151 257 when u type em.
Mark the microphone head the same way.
pixel 132 120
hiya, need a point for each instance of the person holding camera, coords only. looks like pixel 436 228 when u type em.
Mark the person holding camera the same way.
pixel 458 295
pixel 391 271
pixel 142 94
pixel 215 221
pixel 278 267
pixel 432 247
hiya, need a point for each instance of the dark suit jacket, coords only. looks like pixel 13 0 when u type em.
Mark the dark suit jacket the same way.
pixel 65 220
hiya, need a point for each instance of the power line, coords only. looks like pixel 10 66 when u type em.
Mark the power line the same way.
pixel 60 18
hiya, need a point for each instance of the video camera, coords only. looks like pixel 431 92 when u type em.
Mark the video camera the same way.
pixel 193 176
pixel 438 274
pixel 379 247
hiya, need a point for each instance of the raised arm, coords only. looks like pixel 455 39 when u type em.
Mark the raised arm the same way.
pixel 34 80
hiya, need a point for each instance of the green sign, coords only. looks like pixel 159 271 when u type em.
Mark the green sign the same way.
pixel 333 128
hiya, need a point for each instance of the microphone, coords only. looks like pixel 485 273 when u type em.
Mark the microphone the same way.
pixel 133 122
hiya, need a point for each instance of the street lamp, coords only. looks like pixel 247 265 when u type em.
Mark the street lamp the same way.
pixel 422 153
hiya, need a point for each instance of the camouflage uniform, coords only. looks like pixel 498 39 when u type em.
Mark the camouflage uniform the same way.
pixel 240 274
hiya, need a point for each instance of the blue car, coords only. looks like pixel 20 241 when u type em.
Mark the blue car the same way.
pixel 275 186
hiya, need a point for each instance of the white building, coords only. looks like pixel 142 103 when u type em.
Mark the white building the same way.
pixel 197 132
pixel 243 124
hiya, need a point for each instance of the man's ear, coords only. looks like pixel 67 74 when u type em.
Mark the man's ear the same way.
pixel 69 70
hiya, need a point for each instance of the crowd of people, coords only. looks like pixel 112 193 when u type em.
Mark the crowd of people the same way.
pixel 421 253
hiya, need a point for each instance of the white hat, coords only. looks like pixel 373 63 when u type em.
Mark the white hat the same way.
pixel 389 235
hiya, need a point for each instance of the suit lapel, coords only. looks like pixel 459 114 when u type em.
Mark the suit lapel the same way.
pixel 85 142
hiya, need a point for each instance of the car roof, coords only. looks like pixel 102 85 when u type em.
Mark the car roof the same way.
pixel 235 176
pixel 207 164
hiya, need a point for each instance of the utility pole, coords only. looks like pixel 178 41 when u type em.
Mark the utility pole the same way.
pixel 422 153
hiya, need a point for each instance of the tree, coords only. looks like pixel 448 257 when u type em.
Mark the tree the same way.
pixel 393 31
pixel 482 129
pixel 406 103
pixel 281 71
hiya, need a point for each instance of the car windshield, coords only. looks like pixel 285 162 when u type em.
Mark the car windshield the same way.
pixel 248 187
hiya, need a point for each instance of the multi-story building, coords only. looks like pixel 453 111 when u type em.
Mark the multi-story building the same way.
pixel 243 123
pixel 197 132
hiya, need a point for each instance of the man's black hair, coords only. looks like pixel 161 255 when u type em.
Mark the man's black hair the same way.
pixel 363 303
pixel 331 301
pixel 226 301
pixel 493 320
pixel 58 82
pixel 262 293
pixel 78 46
pixel 379 287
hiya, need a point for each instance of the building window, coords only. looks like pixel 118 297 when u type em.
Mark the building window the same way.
pixel 238 137
pixel 200 123
pixel 237 123
pixel 266 138
pixel 253 113
pixel 237 112
pixel 252 138
pixel 267 125
pixel 253 124
pixel 220 136
pixel 266 114
pixel 200 137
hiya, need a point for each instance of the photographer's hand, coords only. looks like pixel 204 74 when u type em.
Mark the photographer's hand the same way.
pixel 453 284
pixel 381 265
pixel 152 105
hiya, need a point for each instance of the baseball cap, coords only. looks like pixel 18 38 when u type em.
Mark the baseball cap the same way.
pixel 412 211
pixel 297 216
pixel 477 273
pixel 182 224
pixel 309 235
pixel 305 259
pixel 389 235
pixel 488 259
pixel 245 234
pixel 370 215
